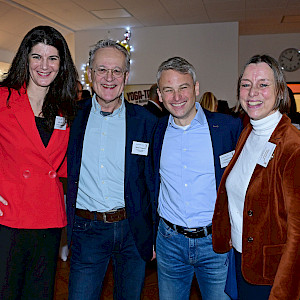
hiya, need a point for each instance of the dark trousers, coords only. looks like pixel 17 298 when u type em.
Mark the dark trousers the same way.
pixel 248 291
pixel 28 260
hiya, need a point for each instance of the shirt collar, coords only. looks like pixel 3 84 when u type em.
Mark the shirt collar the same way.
pixel 96 107
pixel 199 117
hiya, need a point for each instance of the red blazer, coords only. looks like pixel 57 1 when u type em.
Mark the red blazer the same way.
pixel 29 172
pixel 271 217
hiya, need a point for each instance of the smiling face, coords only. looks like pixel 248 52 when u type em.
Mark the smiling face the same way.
pixel 107 87
pixel 178 92
pixel 43 66
pixel 257 91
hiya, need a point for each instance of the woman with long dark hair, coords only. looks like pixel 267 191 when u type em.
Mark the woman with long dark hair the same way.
pixel 36 107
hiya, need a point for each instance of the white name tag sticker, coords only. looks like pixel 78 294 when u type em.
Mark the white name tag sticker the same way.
pixel 266 154
pixel 140 148
pixel 60 123
pixel 226 158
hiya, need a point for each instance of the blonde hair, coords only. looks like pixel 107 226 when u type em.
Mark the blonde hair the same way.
pixel 209 101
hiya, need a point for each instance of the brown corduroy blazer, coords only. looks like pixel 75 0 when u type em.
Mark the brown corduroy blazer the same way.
pixel 271 217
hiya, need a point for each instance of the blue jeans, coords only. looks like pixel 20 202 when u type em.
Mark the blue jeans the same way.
pixel 178 257
pixel 93 244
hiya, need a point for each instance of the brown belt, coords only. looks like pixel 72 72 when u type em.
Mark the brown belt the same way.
pixel 106 217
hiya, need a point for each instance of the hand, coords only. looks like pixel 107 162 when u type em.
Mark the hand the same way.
pixel 230 243
pixel 154 255
pixel 2 201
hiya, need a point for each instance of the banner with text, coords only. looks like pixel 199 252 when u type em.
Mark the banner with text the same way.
pixel 137 93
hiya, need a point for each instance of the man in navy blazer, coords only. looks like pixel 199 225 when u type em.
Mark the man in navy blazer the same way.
pixel 110 192
pixel 193 147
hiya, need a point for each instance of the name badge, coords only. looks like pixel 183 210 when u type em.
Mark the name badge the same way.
pixel 140 148
pixel 266 155
pixel 60 123
pixel 226 158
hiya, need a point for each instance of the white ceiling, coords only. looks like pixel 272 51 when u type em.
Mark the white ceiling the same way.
pixel 68 16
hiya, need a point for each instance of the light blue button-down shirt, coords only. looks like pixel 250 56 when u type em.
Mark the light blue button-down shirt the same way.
pixel 101 180
pixel 188 185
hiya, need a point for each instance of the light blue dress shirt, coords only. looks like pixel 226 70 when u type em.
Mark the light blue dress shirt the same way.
pixel 101 180
pixel 188 185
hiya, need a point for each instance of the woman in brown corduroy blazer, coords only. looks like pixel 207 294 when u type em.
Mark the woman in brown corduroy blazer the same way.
pixel 268 267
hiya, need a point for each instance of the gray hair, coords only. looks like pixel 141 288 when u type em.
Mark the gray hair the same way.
pixel 110 44
pixel 178 64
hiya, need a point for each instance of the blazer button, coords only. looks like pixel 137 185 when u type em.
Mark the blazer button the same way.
pixel 250 239
pixel 26 174
pixel 250 213
pixel 52 174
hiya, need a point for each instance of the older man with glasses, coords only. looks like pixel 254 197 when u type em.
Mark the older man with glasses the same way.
pixel 110 182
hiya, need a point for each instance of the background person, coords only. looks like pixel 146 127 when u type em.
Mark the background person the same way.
pixel 258 206
pixel 153 104
pixel 223 107
pixel 79 91
pixel 293 114
pixel 36 105
pixel 209 101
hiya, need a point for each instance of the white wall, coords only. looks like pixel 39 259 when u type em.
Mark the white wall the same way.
pixel 211 48
pixel 6 56
pixel 70 39
pixel 216 51
pixel 272 44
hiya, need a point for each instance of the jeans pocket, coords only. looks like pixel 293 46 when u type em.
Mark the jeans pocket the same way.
pixel 165 230
pixel 81 224
pixel 209 237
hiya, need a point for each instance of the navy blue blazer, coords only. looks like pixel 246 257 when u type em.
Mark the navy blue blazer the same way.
pixel 224 131
pixel 139 173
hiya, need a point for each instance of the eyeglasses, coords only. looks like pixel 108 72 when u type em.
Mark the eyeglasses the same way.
pixel 102 72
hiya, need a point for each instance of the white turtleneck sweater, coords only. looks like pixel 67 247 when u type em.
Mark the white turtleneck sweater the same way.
pixel 238 180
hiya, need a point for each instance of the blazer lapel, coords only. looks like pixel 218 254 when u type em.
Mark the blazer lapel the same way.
pixel 157 148
pixel 217 145
pixel 275 138
pixel 158 140
pixel 79 127
pixel 25 117
pixel 132 134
